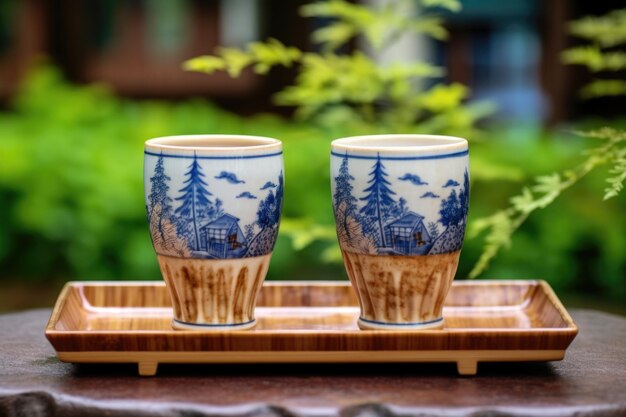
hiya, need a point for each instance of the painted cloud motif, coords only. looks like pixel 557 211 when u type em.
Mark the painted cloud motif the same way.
pixel 230 177
pixel 247 194
pixel 451 183
pixel 267 185
pixel 429 194
pixel 414 179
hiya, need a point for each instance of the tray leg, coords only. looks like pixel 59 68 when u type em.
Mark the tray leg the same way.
pixel 467 367
pixel 148 368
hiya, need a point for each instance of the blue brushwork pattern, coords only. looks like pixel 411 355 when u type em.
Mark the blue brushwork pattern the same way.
pixel 413 179
pixel 195 224
pixel 158 198
pixel 268 185
pixel 378 203
pixel 247 194
pixel 450 183
pixel 230 177
pixel 380 223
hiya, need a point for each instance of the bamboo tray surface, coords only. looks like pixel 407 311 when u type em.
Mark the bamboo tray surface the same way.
pixel 312 321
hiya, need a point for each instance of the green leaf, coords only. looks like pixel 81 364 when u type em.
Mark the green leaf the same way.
pixel 603 88
pixel 443 97
pixel 353 13
pixel 501 227
pixel 206 63
pixel 605 133
pixel 524 202
pixel 607 31
pixel 235 59
pixel 332 79
pixel 452 5
pixel 334 35
pixel 616 181
pixel 272 53
pixel 594 59
pixel 550 186
pixel 430 26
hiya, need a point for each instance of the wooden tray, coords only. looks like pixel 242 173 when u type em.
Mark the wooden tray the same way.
pixel 310 322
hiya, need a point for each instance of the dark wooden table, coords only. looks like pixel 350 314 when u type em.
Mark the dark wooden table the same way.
pixel 591 381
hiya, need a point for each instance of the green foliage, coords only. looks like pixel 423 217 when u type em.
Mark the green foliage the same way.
pixel 261 56
pixel 355 91
pixel 595 59
pixel 71 184
pixel 452 5
pixel 603 88
pixel 354 88
pixel 379 27
pixel 607 31
pixel 71 189
pixel 71 195
pixel 547 188
pixel 604 34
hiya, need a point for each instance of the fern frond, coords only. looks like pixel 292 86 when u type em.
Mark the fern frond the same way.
pixel 500 227
pixel 617 178
pixel 261 55
pixel 595 59
pixel 452 5
pixel 380 26
pixel 603 88
pixel 606 31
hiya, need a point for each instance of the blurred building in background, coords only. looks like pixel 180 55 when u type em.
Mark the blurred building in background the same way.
pixel 508 52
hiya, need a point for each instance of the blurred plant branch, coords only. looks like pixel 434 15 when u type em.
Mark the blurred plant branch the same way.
pixel 603 32
pixel 501 226
pixel 335 88
pixel 353 87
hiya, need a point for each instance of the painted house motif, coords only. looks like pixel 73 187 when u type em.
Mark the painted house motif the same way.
pixel 223 237
pixel 408 235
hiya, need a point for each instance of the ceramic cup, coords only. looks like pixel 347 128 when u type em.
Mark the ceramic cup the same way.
pixel 213 204
pixel 400 204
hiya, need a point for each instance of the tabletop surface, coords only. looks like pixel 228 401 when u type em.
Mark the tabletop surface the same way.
pixel 591 381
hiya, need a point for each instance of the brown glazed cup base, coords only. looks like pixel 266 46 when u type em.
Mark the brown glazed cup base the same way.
pixel 401 292
pixel 214 294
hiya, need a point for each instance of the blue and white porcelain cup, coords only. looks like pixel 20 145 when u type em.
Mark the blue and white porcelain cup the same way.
pixel 400 204
pixel 213 204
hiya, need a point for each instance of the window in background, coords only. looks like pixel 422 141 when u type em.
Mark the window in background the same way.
pixel 239 22
pixel 495 49
pixel 168 27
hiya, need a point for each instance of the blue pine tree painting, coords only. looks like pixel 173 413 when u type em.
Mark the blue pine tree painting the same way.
pixel 195 203
pixel 379 202
pixel 451 211
pixel 265 213
pixel 158 194
pixel 453 216
pixel 345 203
pixel 464 195
pixel 278 208
pixel 268 217
pixel 343 187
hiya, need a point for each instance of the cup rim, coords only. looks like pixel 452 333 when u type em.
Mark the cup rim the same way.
pixel 201 143
pixel 401 144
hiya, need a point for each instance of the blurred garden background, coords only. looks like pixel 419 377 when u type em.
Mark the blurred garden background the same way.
pixel 537 87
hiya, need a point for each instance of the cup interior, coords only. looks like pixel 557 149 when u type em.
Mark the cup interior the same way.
pixel 213 142
pixel 400 143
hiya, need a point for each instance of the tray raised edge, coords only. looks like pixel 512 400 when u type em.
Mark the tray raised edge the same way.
pixel 466 359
